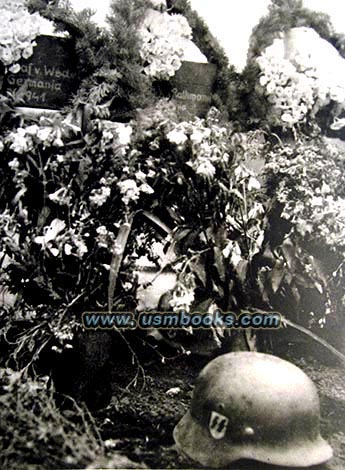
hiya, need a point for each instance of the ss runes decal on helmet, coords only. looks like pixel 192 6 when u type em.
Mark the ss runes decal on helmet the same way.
pixel 218 425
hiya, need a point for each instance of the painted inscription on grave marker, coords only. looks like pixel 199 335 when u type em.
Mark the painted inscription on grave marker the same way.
pixel 49 76
pixel 193 86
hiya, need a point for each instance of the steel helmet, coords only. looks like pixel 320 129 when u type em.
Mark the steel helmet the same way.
pixel 255 406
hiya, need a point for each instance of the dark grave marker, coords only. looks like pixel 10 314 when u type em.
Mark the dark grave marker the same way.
pixel 193 86
pixel 49 75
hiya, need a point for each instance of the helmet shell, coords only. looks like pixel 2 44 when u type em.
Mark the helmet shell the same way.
pixel 255 406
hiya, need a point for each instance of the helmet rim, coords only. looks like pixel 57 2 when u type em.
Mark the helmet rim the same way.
pixel 193 440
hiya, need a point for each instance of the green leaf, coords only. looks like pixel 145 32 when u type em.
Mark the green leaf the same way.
pixel 241 269
pixel 237 194
pixel 42 218
pixel 173 215
pixel 263 290
pixel 217 289
pixel 277 275
pixel 200 271
pixel 304 281
pixel 219 263
pixel 118 253
pixel 180 234
pixel 296 294
pixel 83 172
pixel 157 221
pixel 288 278
pixel 289 253
pixel 203 307
pixel 318 287
pixel 319 270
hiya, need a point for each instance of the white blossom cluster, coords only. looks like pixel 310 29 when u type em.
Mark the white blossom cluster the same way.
pixel 163 39
pixel 132 189
pixel 116 132
pixel 301 74
pixel 105 237
pixel 58 239
pixel 23 139
pixel 311 189
pixel 208 145
pixel 18 32
pixel 211 149
pixel 98 197
pixel 183 294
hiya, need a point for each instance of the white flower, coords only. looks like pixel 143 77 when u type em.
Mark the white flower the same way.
pixel 301 73
pixel 68 249
pixel 177 137
pixel 263 80
pixel 241 172
pixel 99 196
pixel 102 230
pixel 6 56
pixel 205 168
pixel 81 247
pixel 256 211
pixel 127 286
pixel 60 197
pixel 325 188
pixel 163 43
pixel 27 52
pixel 58 142
pixel 15 68
pixel 140 176
pixel 158 4
pixel 102 236
pixel 107 135
pixel 145 188
pixel 253 183
pixel 2 146
pixel 129 190
pixel 317 201
pixel 124 133
pixel 337 124
pixel 32 130
pixel 19 28
pixel 183 301
pixel 233 251
pixel 51 232
pixel 20 143
pixel 199 135
pixel 14 164
pixel 44 133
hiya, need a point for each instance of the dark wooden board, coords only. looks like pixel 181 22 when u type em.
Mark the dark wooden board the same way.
pixel 193 86
pixel 49 74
